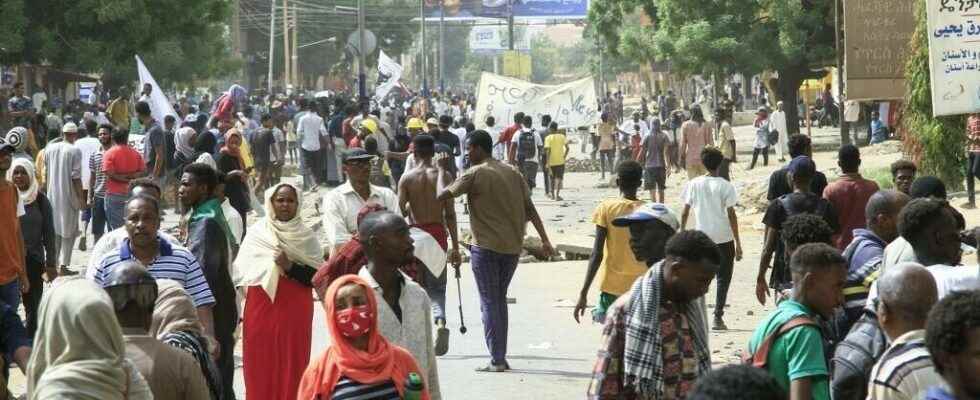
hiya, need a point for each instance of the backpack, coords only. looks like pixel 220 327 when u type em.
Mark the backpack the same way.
pixel 773 137
pixel 527 147
pixel 761 356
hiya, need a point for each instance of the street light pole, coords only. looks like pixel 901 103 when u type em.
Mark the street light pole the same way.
pixel 272 41
pixel 423 50
pixel 361 75
pixel 442 46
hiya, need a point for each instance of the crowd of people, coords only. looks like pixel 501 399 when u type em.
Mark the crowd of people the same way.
pixel 871 298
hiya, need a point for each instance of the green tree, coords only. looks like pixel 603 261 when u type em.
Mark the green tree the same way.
pixel 180 39
pixel 794 38
pixel 937 142
pixel 544 59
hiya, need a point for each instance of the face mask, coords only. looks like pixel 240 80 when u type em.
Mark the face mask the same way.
pixel 354 322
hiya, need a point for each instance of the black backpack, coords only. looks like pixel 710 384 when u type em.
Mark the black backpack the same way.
pixel 527 147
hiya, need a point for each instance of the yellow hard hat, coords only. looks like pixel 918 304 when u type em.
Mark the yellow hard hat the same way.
pixel 370 125
pixel 415 123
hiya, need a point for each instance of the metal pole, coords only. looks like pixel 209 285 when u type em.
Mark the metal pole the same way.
pixel 845 131
pixel 361 75
pixel 510 25
pixel 285 44
pixel 272 41
pixel 442 46
pixel 294 55
pixel 423 50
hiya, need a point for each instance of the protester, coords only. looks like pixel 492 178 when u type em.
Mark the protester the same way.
pixel 360 361
pixel 231 161
pixel 779 183
pixel 777 122
pixel 97 183
pixel 311 131
pixel 727 149
pixel 206 235
pixel 905 370
pixel 796 357
pixel 175 323
pixel 695 135
pixel 713 199
pixel 79 349
pixel 737 382
pixel 264 151
pixel 277 261
pixel 903 174
pixel 929 187
pixel 655 340
pixel 507 136
pixel 88 143
pixel 849 194
pixel 801 172
pixel 403 318
pixel 653 156
pixel 118 109
pixel 953 337
pixel 13 273
pixel 930 227
pixel 417 200
pixel 761 145
pixel 171 373
pixel 37 228
pixel 154 146
pixel 556 153
pixel 121 165
pixel 63 165
pixel 341 205
pixel 500 207
pixel 525 147
pixel 606 131
pixel 612 256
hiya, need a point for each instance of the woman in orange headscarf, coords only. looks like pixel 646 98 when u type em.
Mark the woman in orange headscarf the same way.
pixel 230 161
pixel 359 359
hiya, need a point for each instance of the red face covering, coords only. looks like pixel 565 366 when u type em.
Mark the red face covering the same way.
pixel 355 322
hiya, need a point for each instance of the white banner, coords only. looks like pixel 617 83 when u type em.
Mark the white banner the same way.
pixel 954 61
pixel 160 107
pixel 571 105
pixel 389 73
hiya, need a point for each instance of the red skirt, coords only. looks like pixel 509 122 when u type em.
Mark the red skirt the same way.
pixel 276 340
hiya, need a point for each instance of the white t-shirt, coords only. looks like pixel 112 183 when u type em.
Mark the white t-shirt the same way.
pixel 88 145
pixel 310 129
pixel 950 279
pixel 630 125
pixel 499 148
pixel 538 142
pixel 710 197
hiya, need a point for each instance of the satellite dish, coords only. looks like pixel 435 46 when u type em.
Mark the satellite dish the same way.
pixel 354 41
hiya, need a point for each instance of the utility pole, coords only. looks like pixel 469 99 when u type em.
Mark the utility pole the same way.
pixel 285 45
pixel 510 24
pixel 362 57
pixel 272 41
pixel 294 61
pixel 423 50
pixel 442 46
pixel 845 131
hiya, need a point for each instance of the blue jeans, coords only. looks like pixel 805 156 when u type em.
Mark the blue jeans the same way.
pixel 115 205
pixel 493 272
pixel 10 293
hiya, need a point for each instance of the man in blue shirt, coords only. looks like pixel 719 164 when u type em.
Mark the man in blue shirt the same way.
pixel 879 132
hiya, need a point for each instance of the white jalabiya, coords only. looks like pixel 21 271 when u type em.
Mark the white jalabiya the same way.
pixel 256 263
pixel 79 351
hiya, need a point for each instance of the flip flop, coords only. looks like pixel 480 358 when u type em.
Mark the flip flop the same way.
pixel 442 341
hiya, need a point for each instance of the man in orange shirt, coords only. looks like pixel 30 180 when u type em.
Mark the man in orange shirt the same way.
pixel 13 276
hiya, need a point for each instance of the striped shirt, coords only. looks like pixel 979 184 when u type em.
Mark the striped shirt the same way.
pixel 95 165
pixel 905 371
pixel 347 389
pixel 173 262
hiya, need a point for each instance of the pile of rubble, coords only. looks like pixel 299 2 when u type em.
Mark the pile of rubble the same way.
pixel 577 165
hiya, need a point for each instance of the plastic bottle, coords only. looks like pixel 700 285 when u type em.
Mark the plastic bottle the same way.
pixel 413 387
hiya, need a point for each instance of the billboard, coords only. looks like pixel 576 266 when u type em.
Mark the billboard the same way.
pixel 493 39
pixel 954 56
pixel 471 9
pixel 875 53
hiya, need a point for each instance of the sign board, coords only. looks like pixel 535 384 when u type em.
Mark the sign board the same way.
pixel 517 65
pixel 571 105
pixel 875 53
pixel 475 9
pixel 954 56
pixel 494 39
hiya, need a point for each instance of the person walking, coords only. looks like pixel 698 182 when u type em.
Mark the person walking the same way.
pixel 849 195
pixel 606 131
pixel 695 135
pixel 500 207
pixel 713 199
pixel 97 183
pixel 37 228
pixel 63 166
pixel 342 204
pixel 556 153
pixel 14 279
pixel 972 158
pixel 653 157
pixel 276 262
pixel 312 132
pixel 778 123
pixel 175 323
pixel 526 145
pixel 761 145
pixel 727 137
pixel 121 165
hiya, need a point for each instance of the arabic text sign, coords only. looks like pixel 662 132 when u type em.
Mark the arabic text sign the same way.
pixel 875 54
pixel 954 56
pixel 571 104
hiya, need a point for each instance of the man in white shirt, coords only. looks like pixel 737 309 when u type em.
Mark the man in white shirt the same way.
pixel 499 149
pixel 341 205
pixel 312 132
pixel 628 128
pixel 403 317
pixel 930 227
pixel 713 199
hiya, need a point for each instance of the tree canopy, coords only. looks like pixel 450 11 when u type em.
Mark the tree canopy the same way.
pixel 179 39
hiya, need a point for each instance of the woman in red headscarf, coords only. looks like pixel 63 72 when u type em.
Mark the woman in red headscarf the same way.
pixel 359 359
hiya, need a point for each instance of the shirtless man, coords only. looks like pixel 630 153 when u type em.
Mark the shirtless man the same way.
pixel 417 200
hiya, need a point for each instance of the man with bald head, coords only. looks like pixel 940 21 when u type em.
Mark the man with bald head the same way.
pixel 403 317
pixel 864 253
pixel 906 293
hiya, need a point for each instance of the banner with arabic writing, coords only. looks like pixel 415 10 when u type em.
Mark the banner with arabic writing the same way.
pixel 571 105
pixel 954 56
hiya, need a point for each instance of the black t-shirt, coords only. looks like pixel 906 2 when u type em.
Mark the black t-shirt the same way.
pixel 451 141
pixel 777 214
pixel 779 184
pixel 262 143
pixel 235 190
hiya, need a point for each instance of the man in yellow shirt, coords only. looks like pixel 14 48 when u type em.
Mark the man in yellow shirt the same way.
pixel 555 152
pixel 613 258
pixel 118 110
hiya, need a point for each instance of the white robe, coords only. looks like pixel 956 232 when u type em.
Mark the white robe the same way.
pixel 778 122
pixel 63 164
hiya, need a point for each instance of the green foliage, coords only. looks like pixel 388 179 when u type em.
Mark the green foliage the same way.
pixel 544 59
pixel 937 142
pixel 882 176
pixel 180 40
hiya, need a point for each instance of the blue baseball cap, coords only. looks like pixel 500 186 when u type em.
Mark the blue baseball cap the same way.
pixel 802 166
pixel 649 212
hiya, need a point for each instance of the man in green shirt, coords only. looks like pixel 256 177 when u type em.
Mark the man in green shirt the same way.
pixel 796 359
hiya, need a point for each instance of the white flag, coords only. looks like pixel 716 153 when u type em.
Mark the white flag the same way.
pixel 389 73
pixel 160 107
